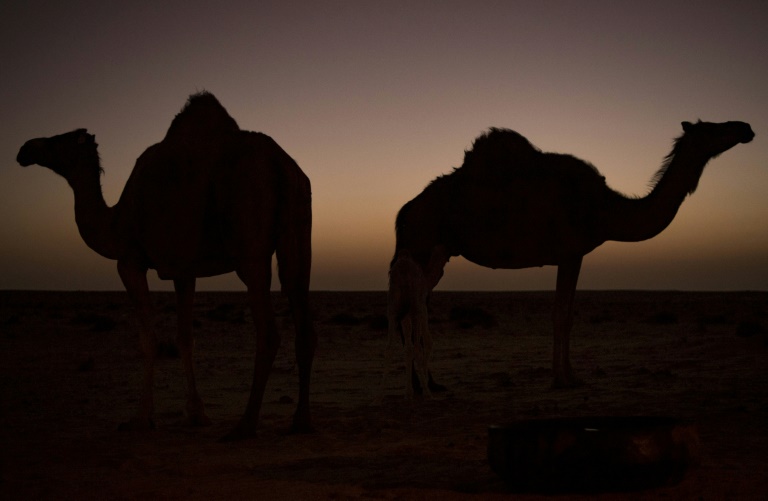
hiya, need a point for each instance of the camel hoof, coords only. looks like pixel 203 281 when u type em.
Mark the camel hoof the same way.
pixel 137 424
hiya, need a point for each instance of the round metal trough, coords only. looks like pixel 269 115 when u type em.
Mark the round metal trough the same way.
pixel 592 454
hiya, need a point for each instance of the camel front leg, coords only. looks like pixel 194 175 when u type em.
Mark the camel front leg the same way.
pixel 406 327
pixel 134 278
pixel 422 341
pixel 434 272
pixel 185 293
pixel 567 278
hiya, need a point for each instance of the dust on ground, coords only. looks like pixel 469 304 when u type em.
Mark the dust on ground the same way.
pixel 70 370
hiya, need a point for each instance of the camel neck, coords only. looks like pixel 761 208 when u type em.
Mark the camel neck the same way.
pixel 637 219
pixel 92 215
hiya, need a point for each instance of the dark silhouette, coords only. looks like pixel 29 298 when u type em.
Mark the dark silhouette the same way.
pixel 511 206
pixel 409 287
pixel 207 200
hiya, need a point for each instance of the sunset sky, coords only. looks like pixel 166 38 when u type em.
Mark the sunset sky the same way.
pixel 375 99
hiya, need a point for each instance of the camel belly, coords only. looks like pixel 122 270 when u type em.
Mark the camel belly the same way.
pixel 209 268
pixel 509 261
pixel 516 250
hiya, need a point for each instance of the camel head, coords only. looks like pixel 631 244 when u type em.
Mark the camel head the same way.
pixel 715 138
pixel 60 153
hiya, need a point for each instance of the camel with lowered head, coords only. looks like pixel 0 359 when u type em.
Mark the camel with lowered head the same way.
pixel 208 199
pixel 512 206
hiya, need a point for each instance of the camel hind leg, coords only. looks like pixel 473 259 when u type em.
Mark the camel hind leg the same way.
pixel 294 259
pixel 256 273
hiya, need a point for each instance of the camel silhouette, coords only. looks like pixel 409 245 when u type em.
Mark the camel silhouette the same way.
pixel 208 199
pixel 512 206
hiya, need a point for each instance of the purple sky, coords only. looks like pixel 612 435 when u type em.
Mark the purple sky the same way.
pixel 375 99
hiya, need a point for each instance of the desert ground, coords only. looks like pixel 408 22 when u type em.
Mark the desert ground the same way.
pixel 70 371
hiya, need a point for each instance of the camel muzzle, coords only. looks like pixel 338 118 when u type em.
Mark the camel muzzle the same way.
pixel 25 156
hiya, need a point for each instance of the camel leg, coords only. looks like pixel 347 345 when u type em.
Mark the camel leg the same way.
pixel 434 272
pixel 393 333
pixel 294 259
pixel 410 288
pixel 423 353
pixel 399 297
pixel 567 277
pixel 135 280
pixel 257 277
pixel 185 292
pixel 306 343
pixel 431 384
pixel 406 326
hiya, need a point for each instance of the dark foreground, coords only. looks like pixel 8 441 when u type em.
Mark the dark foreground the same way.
pixel 69 374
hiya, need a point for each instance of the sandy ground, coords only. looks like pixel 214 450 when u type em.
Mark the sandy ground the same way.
pixel 69 374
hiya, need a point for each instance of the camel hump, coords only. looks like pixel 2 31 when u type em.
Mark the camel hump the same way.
pixel 202 117
pixel 500 148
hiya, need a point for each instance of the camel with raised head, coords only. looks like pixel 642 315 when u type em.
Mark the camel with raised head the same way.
pixel 208 199
pixel 512 206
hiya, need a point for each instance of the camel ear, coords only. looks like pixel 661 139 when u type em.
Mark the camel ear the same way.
pixel 687 126
pixel 85 138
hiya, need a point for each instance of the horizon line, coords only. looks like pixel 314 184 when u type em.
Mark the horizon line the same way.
pixel 502 291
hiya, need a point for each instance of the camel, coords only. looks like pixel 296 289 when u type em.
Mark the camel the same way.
pixel 512 206
pixel 208 199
